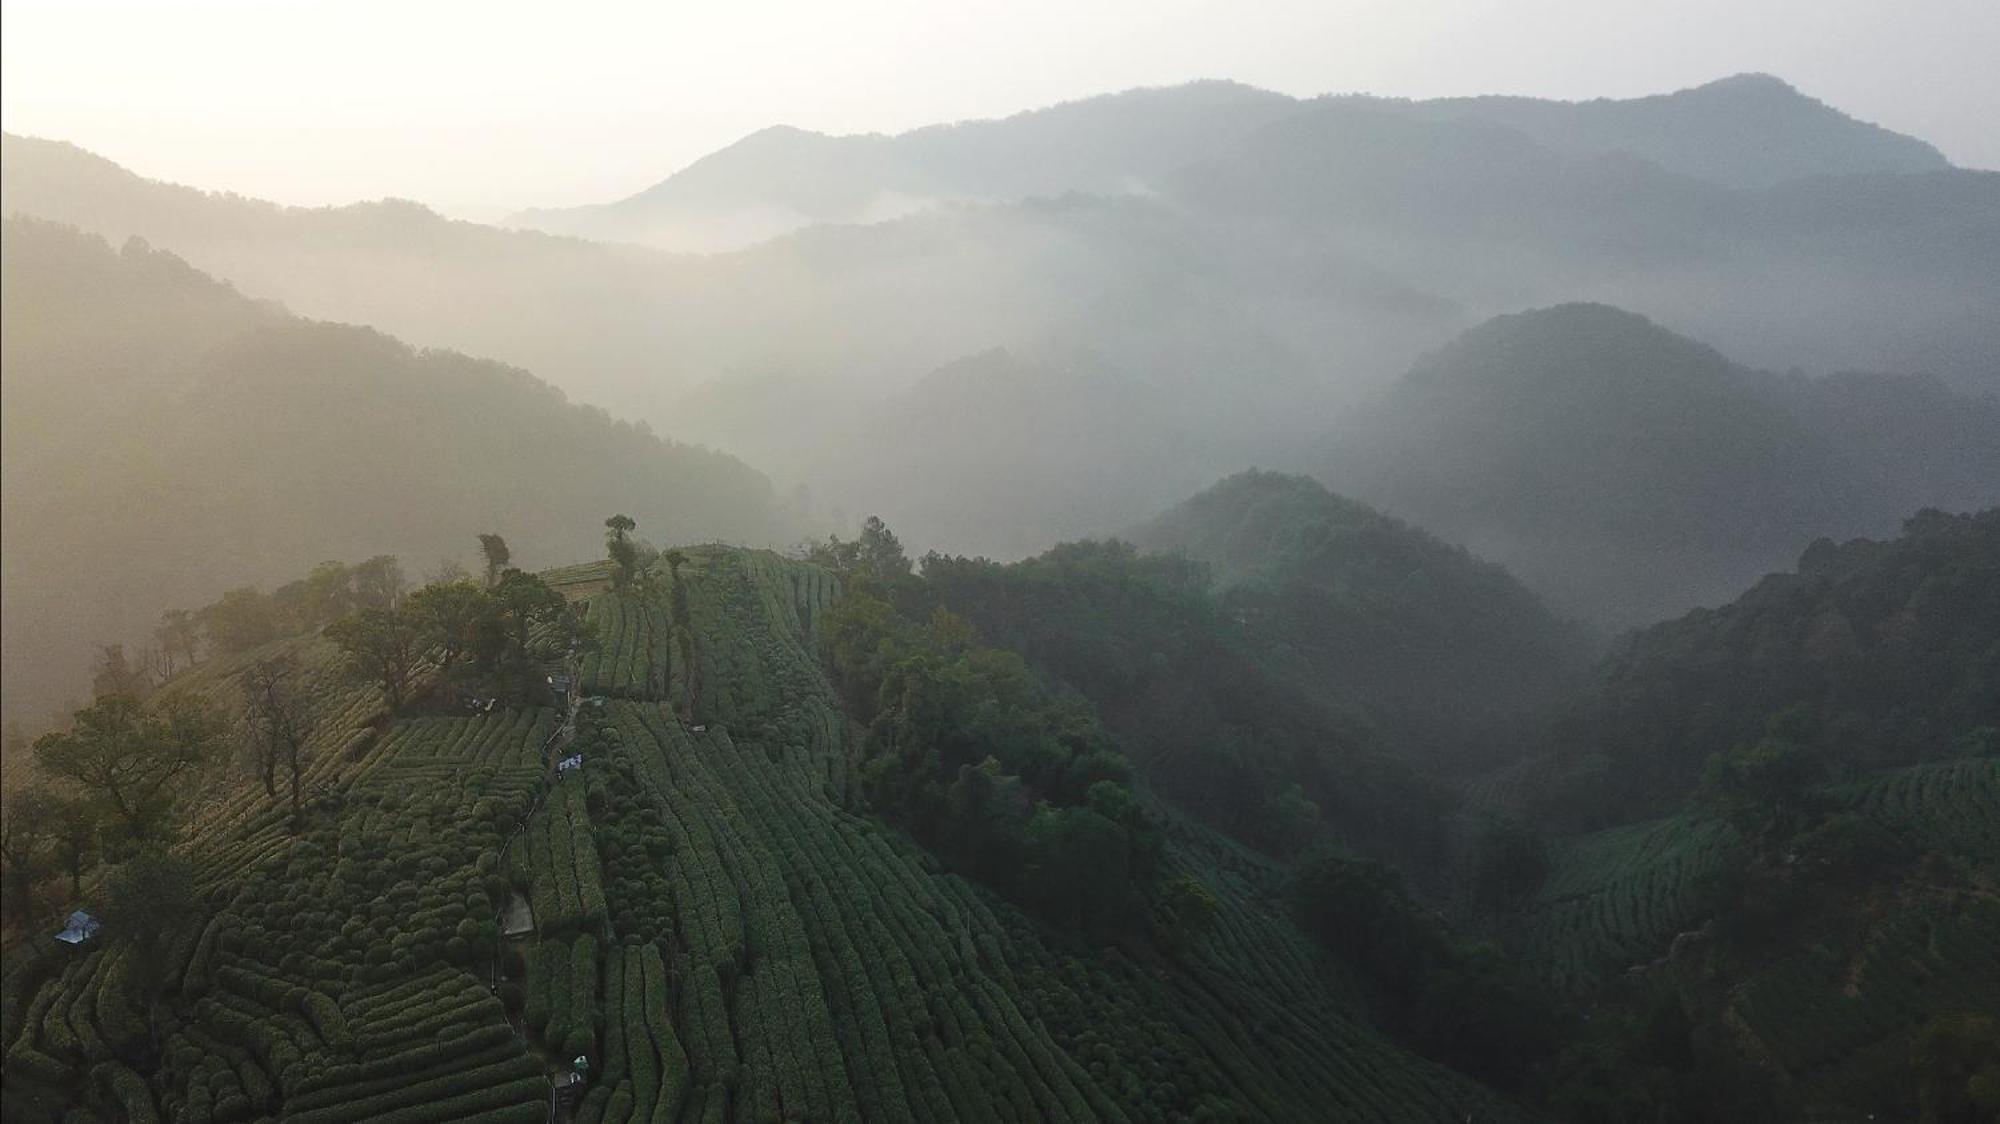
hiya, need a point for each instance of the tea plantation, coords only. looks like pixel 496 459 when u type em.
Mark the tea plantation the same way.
pixel 717 929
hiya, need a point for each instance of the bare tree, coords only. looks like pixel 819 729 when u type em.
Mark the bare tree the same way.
pixel 279 718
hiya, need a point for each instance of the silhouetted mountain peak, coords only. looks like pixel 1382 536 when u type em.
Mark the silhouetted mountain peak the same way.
pixel 1569 348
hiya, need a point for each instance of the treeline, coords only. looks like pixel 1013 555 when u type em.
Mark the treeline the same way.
pixel 1184 686
pixel 1870 654
pixel 1018 785
pixel 114 785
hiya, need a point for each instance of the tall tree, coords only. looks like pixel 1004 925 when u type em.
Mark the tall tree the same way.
pixel 73 829
pixel 115 675
pixel 494 549
pixel 179 635
pixel 131 758
pixel 239 620
pixel 148 900
pixel 526 601
pixel 383 645
pixel 27 828
pixel 279 717
pixel 379 583
pixel 327 594
pixel 451 611
pixel 624 553
pixel 881 553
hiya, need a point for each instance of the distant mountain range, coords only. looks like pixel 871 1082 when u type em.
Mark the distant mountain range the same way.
pixel 1748 131
pixel 1125 298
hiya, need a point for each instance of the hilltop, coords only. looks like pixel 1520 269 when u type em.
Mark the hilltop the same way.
pixel 1627 472
pixel 1451 657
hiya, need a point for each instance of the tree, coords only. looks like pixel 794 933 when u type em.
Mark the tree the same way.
pixel 73 828
pixel 382 645
pixel 115 675
pixel 1078 862
pixel 130 758
pixel 1360 909
pixel 27 827
pixel 1763 789
pixel 451 611
pixel 239 620
pixel 378 583
pixel 623 552
pixel 279 718
pixel 1189 910
pixel 154 664
pixel 148 900
pixel 326 594
pixel 494 549
pixel 880 553
pixel 525 608
pixel 178 635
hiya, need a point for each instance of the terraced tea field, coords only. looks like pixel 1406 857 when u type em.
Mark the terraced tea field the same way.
pixel 719 932
pixel 1616 898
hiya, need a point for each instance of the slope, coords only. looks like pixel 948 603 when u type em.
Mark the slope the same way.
pixel 716 930
pixel 1449 656
pixel 1628 473
pixel 1744 131
pixel 1870 654
pixel 166 439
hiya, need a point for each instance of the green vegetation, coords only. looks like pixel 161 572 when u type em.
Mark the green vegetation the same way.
pixel 1447 657
pixel 1871 655
pixel 1191 693
pixel 824 849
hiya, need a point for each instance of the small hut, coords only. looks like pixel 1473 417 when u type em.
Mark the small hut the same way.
pixel 81 929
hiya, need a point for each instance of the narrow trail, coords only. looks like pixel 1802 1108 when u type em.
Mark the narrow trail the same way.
pixel 552 751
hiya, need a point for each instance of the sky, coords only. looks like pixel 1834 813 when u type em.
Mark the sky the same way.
pixel 479 109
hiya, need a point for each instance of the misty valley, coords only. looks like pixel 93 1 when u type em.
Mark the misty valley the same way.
pixel 1191 604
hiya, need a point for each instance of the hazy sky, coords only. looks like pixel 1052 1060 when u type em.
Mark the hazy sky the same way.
pixel 480 108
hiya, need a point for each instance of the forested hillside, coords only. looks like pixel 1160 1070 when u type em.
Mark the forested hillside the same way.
pixel 166 439
pixel 1871 654
pixel 1450 657
pixel 1627 473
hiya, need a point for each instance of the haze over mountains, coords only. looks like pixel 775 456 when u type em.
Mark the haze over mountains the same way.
pixel 1628 472
pixel 1747 131
pixel 1324 660
pixel 166 439
pixel 1075 317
